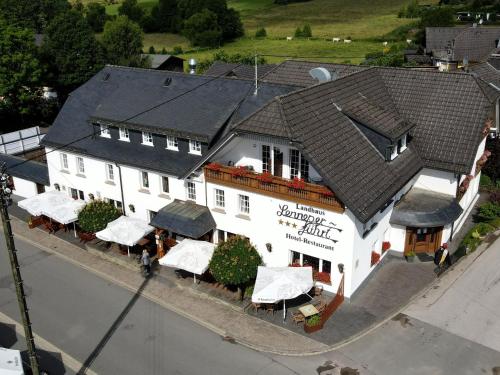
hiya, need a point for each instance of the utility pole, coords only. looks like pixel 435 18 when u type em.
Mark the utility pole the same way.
pixel 5 192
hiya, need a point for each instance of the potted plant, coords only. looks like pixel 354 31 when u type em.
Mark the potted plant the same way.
pixel 313 324
pixel 375 258
pixel 297 183
pixel 265 177
pixel 214 167
pixel 386 245
pixel 239 171
pixel 410 256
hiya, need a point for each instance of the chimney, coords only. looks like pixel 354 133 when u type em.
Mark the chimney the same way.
pixel 192 66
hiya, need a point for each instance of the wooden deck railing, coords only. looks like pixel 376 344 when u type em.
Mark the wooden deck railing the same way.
pixel 309 194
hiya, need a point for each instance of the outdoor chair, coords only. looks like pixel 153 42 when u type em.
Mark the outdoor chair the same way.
pixel 298 317
pixel 256 306
pixel 318 291
pixel 320 306
pixel 270 308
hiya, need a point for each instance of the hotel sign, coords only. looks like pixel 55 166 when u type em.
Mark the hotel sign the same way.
pixel 312 223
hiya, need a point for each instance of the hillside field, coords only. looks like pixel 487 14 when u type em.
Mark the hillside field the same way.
pixel 365 21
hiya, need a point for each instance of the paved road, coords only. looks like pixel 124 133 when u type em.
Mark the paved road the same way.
pixel 114 331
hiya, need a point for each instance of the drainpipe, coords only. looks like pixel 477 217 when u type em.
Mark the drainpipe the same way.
pixel 453 223
pixel 121 188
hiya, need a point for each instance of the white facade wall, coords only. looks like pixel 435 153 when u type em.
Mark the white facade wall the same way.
pixel 94 181
pixel 438 181
pixel 24 188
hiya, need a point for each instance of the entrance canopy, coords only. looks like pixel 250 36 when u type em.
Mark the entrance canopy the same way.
pixel 279 283
pixel 54 204
pixel 10 362
pixel 185 218
pixel 125 231
pixel 189 255
pixel 422 209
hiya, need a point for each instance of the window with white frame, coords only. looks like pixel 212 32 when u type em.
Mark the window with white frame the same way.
pixel 105 131
pixel 219 198
pixel 402 144
pixel 110 172
pixel 294 163
pixel 266 158
pixel 144 180
pixel 80 166
pixel 124 135
pixel 244 204
pixel 64 161
pixel 195 147
pixel 164 184
pixel 172 143
pixel 147 138
pixel 191 190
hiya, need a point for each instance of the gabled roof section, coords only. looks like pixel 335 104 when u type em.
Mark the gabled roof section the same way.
pixel 295 72
pixel 26 169
pixel 489 75
pixel 243 71
pixel 494 61
pixel 472 43
pixel 447 112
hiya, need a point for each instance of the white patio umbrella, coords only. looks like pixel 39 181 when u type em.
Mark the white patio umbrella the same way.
pixel 10 362
pixel 125 231
pixel 190 255
pixel 281 283
pixel 54 204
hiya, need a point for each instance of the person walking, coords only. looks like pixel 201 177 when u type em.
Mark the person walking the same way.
pixel 442 258
pixel 146 262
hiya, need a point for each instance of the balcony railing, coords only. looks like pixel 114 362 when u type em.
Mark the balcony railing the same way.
pixel 307 193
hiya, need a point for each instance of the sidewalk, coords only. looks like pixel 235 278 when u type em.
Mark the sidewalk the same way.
pixel 222 318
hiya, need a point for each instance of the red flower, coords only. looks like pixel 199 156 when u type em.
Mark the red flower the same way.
pixel 297 183
pixel 375 257
pixel 327 192
pixel 386 245
pixel 239 171
pixel 265 177
pixel 214 166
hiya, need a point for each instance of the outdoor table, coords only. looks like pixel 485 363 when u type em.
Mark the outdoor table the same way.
pixel 308 310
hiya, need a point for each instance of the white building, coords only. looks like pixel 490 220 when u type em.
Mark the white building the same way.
pixel 328 175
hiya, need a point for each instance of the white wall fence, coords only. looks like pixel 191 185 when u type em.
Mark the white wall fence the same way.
pixel 20 141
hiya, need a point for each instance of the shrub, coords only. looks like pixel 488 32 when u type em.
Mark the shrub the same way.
pixel 485 181
pixel 152 50
pixel 483 228
pixel 313 320
pixel 235 262
pixel 495 223
pixel 261 33
pixel 177 50
pixel 305 32
pixel 203 30
pixel 495 197
pixel 96 215
pixel 488 211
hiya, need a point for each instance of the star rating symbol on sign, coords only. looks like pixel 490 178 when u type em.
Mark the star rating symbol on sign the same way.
pixel 294 225
pixel 287 223
pixel 280 221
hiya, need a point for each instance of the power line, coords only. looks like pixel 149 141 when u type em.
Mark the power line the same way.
pixel 127 119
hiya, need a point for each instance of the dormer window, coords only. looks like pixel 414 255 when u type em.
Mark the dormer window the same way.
pixel 402 144
pixel 124 135
pixel 172 143
pixel 195 147
pixel 394 152
pixel 147 138
pixel 105 131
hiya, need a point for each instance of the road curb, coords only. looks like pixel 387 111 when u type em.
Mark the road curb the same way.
pixel 225 334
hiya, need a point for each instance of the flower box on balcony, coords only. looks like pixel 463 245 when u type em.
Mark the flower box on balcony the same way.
pixel 322 277
pixel 240 171
pixel 386 245
pixel 327 193
pixel 265 177
pixel 214 167
pixel 375 258
pixel 297 183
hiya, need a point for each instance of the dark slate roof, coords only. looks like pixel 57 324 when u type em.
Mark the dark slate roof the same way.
pixel 448 112
pixel 159 59
pixel 419 59
pixel 185 218
pixel 472 43
pixel 29 170
pixel 494 61
pixel 423 208
pixel 486 72
pixel 201 114
pixel 295 72
pixel 243 71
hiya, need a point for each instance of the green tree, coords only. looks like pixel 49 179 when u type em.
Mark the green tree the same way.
pixel 306 31
pixel 437 17
pixel 202 29
pixel 132 10
pixel 165 17
pixel 95 215
pixel 20 72
pixel 231 25
pixel 261 33
pixel 492 166
pixel 235 262
pixel 32 14
pixel 122 41
pixel 71 50
pixel 95 14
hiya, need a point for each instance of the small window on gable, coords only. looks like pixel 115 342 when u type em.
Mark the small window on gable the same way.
pixel 147 138
pixel 105 131
pixel 172 143
pixel 195 147
pixel 124 135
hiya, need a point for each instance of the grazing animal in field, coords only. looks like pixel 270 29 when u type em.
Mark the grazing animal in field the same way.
pixel 336 40
pixel 289 37
pixel 347 40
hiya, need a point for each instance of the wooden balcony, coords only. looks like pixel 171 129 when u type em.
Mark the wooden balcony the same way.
pixel 277 187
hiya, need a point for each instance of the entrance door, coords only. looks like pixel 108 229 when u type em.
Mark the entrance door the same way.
pixel 40 189
pixel 278 162
pixel 423 240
